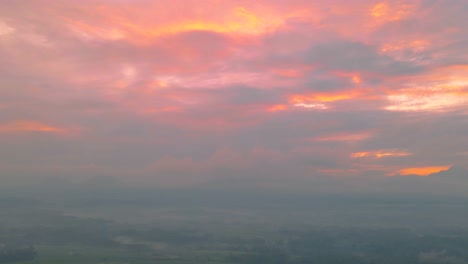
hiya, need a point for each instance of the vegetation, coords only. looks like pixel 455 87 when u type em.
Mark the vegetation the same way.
pixel 45 232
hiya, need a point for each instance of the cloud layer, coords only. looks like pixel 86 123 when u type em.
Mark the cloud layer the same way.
pixel 187 92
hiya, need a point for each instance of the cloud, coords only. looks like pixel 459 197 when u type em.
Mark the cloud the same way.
pixel 423 171
pixel 380 154
pixel 355 56
pixel 30 126
pixel 193 91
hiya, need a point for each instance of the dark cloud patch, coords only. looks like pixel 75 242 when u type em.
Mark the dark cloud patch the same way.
pixel 355 56
pixel 324 82
pixel 244 95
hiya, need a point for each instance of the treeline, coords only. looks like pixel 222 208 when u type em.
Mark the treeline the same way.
pixel 332 246
pixel 11 255
pixel 180 237
pixel 356 246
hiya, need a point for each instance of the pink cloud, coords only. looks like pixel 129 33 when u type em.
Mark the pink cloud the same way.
pixel 345 83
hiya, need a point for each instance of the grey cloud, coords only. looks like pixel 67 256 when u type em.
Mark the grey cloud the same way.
pixel 243 95
pixel 355 56
pixel 326 82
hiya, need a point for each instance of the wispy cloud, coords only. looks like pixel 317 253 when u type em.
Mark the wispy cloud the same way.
pixel 423 171
pixel 30 126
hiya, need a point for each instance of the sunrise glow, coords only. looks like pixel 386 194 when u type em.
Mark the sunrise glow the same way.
pixel 322 88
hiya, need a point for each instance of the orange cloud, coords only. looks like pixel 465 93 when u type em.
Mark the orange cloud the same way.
pixel 415 45
pixel 278 107
pixel 391 11
pixel 379 10
pixel 140 29
pixel 30 126
pixel 423 171
pixel 380 154
pixel 317 97
pixel 357 79
pixel 334 96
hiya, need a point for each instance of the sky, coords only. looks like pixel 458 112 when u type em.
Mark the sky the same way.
pixel 183 92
